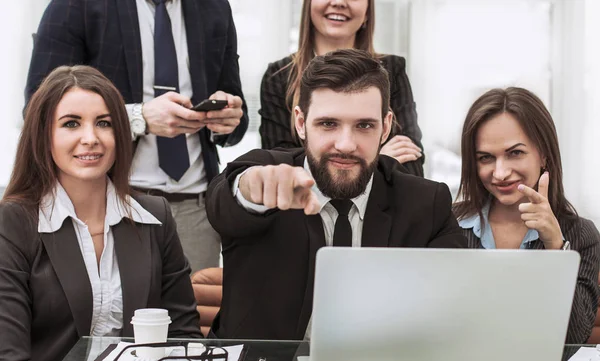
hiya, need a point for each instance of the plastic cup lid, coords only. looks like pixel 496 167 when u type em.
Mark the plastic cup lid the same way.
pixel 151 317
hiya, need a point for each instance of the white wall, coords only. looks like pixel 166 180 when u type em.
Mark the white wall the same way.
pixel 461 48
pixel 18 20
pixel 568 97
pixel 587 150
pixel 263 28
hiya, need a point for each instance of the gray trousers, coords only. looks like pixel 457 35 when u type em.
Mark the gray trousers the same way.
pixel 201 243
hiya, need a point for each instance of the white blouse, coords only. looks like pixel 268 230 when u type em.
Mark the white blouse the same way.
pixel 105 279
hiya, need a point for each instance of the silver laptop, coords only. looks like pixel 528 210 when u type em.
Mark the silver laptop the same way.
pixel 433 304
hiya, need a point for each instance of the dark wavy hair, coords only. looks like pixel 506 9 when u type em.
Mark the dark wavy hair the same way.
pixel 35 173
pixel 536 122
pixel 345 70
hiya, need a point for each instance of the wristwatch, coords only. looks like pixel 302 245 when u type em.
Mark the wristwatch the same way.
pixel 566 246
pixel 137 121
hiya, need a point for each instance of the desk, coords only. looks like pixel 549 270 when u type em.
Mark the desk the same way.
pixel 88 348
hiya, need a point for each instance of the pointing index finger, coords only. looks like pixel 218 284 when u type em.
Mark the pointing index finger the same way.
pixel 302 179
pixel 312 205
pixel 534 197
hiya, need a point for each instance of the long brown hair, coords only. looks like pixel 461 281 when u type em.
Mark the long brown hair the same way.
pixel 306 51
pixel 536 122
pixel 35 174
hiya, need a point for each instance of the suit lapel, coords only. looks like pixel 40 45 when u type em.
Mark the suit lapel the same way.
pixel 66 258
pixel 194 18
pixel 132 45
pixel 132 247
pixel 378 222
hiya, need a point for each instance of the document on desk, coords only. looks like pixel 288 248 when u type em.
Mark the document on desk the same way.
pixel 586 354
pixel 233 352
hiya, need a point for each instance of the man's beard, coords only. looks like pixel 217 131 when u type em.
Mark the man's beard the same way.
pixel 341 185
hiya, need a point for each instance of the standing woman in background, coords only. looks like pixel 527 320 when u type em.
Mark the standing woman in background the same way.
pixel 328 25
pixel 512 194
pixel 79 254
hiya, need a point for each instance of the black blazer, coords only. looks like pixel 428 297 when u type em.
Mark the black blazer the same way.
pixel 45 292
pixel 269 259
pixel 275 128
pixel 106 35
pixel 585 239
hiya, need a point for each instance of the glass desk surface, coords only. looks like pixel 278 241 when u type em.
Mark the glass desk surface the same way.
pixel 88 348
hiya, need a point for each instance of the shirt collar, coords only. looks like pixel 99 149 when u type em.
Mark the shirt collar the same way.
pixel 486 236
pixel 360 202
pixel 56 206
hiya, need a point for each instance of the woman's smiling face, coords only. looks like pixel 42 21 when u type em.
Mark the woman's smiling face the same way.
pixel 338 20
pixel 83 141
pixel 506 157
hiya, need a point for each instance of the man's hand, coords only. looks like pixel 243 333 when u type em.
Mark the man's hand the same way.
pixel 226 120
pixel 402 149
pixel 280 186
pixel 169 115
pixel 538 214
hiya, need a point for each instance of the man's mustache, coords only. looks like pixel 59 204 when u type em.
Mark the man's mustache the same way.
pixel 343 156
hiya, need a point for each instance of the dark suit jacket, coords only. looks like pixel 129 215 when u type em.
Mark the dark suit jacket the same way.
pixel 106 35
pixel 45 292
pixel 275 128
pixel 585 239
pixel 269 259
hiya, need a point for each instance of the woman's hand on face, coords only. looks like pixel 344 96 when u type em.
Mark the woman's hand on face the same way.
pixel 539 216
pixel 402 149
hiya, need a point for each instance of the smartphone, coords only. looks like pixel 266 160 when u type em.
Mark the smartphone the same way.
pixel 210 104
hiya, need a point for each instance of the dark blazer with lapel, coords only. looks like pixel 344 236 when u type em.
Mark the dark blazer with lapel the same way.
pixel 106 35
pixel 269 259
pixel 45 292
pixel 585 239
pixel 275 130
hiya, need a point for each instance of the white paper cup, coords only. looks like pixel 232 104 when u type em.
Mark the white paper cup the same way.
pixel 150 325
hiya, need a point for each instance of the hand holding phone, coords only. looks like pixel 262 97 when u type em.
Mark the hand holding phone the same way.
pixel 210 104
pixel 223 112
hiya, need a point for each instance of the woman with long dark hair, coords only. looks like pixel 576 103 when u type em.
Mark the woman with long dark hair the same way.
pixel 328 25
pixel 511 192
pixel 80 253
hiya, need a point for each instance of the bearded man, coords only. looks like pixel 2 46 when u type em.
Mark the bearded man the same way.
pixel 275 209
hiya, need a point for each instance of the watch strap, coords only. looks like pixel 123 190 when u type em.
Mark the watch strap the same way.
pixel 136 114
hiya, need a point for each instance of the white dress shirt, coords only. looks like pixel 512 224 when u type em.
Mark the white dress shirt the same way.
pixel 105 279
pixel 146 173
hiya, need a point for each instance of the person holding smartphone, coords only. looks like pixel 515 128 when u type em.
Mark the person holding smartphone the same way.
pixel 328 25
pixel 512 196
pixel 164 57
